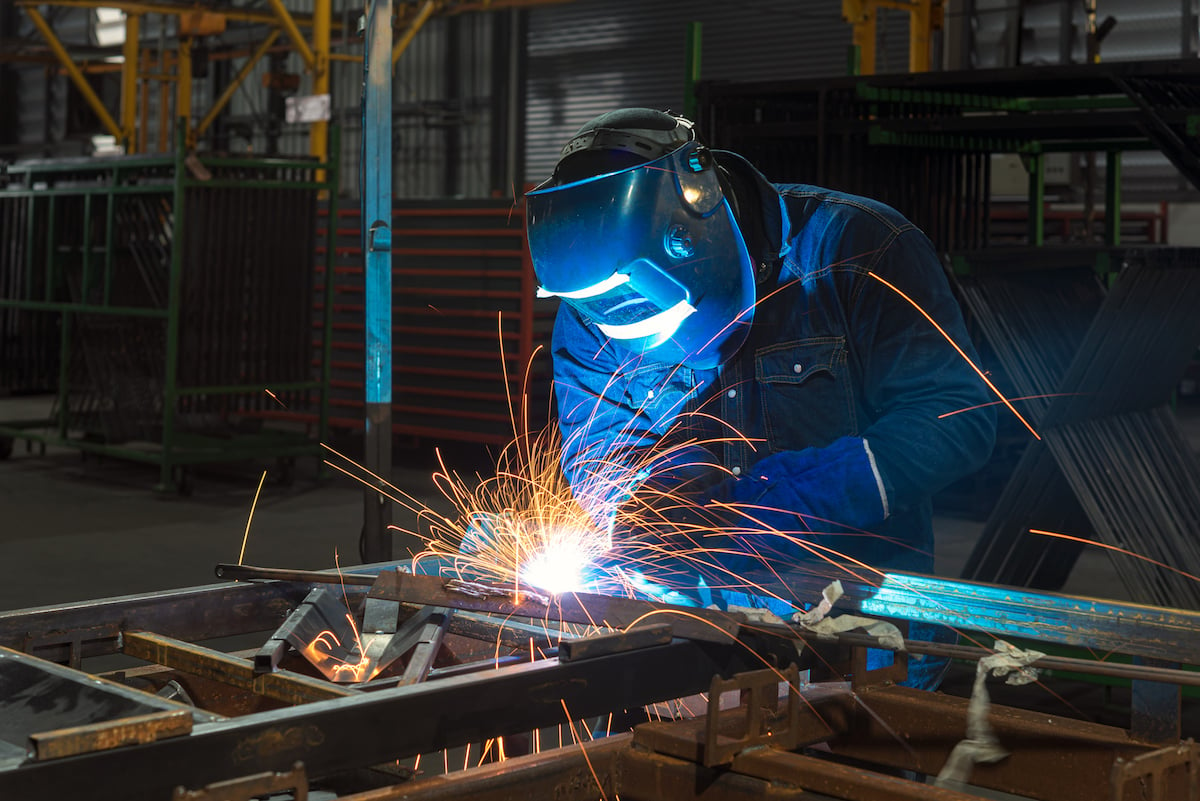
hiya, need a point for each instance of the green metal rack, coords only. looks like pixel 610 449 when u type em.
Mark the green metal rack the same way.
pixel 166 304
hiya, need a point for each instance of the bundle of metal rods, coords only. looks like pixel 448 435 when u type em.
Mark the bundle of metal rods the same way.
pixel 1108 435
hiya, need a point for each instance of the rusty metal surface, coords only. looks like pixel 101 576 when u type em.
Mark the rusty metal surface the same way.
pixel 259 785
pixel 504 631
pixel 648 776
pixel 282 685
pixel 1050 757
pixel 762 725
pixel 1168 774
pixel 579 608
pixel 837 780
pixel 572 773
pixel 373 728
pixel 76 641
pixel 132 730
pixel 37 696
pixel 686 739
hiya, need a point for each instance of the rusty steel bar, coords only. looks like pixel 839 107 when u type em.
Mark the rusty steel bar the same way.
pixel 133 730
pixel 840 781
pixel 281 685
pixel 1170 774
pixel 571 773
pixel 1050 757
pixel 601 644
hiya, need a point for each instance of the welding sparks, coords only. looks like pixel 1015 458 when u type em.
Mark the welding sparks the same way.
pixel 1115 549
pixel 961 352
pixel 275 398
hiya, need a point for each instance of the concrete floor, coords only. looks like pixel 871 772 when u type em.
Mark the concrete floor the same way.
pixel 75 528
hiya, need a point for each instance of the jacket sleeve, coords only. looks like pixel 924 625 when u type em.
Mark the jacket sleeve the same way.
pixel 928 419
pixel 932 418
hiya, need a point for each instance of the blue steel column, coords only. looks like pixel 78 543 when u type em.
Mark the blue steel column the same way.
pixel 376 188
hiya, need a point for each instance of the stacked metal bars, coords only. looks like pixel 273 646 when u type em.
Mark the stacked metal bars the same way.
pixel 1112 458
pixel 247 281
pixel 463 294
pixel 173 323
pixel 28 341
pixel 114 363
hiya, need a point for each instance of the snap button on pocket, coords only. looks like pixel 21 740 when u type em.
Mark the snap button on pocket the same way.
pixel 797 368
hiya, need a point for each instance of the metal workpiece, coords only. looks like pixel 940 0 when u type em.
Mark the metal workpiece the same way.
pixel 361 730
pixel 1009 612
pixel 735 707
pixel 583 609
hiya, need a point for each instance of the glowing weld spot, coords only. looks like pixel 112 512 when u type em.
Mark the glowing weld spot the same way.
pixel 559 567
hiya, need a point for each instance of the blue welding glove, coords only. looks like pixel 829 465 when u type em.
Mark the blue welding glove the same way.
pixel 815 489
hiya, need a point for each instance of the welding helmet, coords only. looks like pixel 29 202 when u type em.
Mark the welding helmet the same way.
pixel 635 233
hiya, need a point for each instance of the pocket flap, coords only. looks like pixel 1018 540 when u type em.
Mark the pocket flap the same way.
pixel 796 362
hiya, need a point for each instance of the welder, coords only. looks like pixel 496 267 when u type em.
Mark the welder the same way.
pixel 780 329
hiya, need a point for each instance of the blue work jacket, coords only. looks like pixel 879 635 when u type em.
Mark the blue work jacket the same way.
pixel 834 353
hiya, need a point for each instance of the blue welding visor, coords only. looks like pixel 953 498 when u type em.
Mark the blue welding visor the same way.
pixel 651 255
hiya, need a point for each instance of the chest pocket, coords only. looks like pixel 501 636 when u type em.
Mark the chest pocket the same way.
pixel 658 393
pixel 806 394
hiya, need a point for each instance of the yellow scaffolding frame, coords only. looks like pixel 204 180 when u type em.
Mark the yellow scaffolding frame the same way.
pixel 137 64
pixel 925 17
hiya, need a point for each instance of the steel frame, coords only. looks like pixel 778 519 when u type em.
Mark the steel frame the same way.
pixel 756 751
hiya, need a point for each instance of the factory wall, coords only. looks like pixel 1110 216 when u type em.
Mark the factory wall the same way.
pixel 590 56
